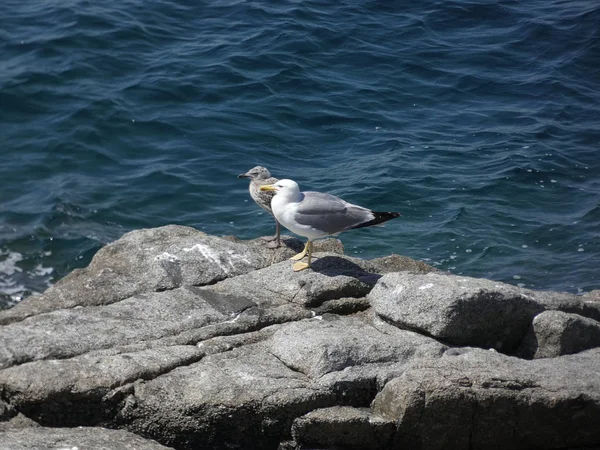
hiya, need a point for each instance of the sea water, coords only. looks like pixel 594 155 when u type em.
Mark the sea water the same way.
pixel 478 121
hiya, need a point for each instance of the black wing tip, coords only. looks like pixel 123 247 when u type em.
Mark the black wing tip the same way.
pixel 380 217
pixel 386 215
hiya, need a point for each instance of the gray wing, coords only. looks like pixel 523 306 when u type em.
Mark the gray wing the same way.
pixel 329 213
pixel 262 198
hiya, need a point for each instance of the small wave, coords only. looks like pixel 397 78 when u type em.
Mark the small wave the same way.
pixel 8 266
pixel 16 281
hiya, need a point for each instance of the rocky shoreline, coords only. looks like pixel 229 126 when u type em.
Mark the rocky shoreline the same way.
pixel 172 338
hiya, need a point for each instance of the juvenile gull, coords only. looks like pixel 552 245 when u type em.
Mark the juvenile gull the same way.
pixel 260 176
pixel 315 215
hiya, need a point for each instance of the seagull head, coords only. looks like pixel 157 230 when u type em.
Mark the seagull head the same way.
pixel 256 173
pixel 285 187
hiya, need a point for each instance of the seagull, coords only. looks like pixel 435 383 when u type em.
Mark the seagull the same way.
pixel 315 215
pixel 260 176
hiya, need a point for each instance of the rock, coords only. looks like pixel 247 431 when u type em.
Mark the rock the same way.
pixel 458 310
pixel 343 306
pixel 77 391
pixel 331 344
pixel 262 388
pixel 17 422
pixel 6 411
pixel 486 400
pixel 569 303
pixel 342 427
pixel 466 311
pixel 95 364
pixel 554 333
pixel 74 438
pixel 70 332
pixel 394 263
pixel 329 245
pixel 333 277
pixel 242 398
pixel 202 342
pixel 150 260
pixel 65 367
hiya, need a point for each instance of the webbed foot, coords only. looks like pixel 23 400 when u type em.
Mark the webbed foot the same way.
pixel 300 266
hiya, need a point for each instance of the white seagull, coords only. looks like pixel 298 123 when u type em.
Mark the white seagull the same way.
pixel 315 215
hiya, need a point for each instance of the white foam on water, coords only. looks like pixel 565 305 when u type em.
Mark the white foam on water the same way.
pixel 9 286
pixel 8 266
pixel 15 281
pixel 40 271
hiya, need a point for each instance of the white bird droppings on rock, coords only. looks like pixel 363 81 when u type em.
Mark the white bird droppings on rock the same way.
pixel 234 319
pixel 165 256
pixel 209 254
pixel 398 289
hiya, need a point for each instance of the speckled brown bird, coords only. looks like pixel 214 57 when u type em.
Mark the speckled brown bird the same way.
pixel 260 176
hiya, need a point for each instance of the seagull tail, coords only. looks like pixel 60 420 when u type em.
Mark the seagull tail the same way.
pixel 379 217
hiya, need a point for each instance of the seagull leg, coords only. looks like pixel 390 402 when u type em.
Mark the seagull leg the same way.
pixel 302 254
pixel 304 265
pixel 275 242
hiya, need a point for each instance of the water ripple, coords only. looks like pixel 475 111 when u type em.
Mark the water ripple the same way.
pixel 478 121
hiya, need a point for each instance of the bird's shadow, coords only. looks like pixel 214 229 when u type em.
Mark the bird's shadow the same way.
pixel 292 243
pixel 333 266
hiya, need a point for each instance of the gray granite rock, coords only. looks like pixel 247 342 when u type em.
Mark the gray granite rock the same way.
pixel 568 303
pixel 394 263
pixel 593 296
pixel 17 422
pixel 333 277
pixel 331 343
pixel 78 391
pixel 458 310
pixel 260 389
pixel 214 343
pixel 6 411
pixel 555 333
pixel 466 311
pixel 74 366
pixel 151 260
pixel 242 398
pixel 486 400
pixel 70 332
pixel 74 438
pixel 154 316
pixel 342 427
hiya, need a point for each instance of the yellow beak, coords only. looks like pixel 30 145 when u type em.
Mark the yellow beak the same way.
pixel 268 187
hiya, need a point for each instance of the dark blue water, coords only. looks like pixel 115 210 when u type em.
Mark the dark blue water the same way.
pixel 479 121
